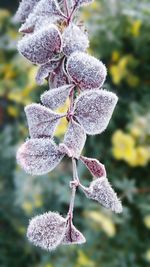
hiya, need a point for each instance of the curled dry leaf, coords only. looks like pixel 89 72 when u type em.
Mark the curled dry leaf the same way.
pixel 56 97
pixel 72 235
pixel 44 71
pixel 65 150
pixel 96 168
pixel 101 191
pixel 45 9
pixel 86 71
pixel 93 110
pixel 39 156
pixel 47 230
pixel 75 138
pixel 41 120
pixel 46 42
pixel 58 77
pixel 24 9
pixel 74 40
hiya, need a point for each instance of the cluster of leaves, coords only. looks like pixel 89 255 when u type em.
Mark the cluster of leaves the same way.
pixel 61 54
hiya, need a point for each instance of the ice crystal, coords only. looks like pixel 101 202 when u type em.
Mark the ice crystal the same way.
pixel 47 230
pixel 93 110
pixel 74 40
pixel 96 168
pixel 72 235
pixel 56 97
pixel 75 138
pixel 41 120
pixel 43 10
pixel 39 156
pixel 86 71
pixel 101 191
pixel 25 8
pixel 79 3
pixel 42 45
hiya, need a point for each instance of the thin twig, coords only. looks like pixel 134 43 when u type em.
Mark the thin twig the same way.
pixel 66 6
pixel 74 186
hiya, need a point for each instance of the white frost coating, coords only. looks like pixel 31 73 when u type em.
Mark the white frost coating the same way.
pixel 93 110
pixel 65 150
pixel 46 230
pixel 58 77
pixel 24 9
pixel 45 9
pixel 75 138
pixel 42 45
pixel 45 70
pixel 86 71
pixel 101 191
pixel 96 168
pixel 74 40
pixel 42 121
pixel 56 97
pixel 82 2
pixel 39 156
pixel 73 236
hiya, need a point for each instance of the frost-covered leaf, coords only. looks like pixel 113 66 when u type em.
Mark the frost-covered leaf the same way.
pixel 73 236
pixel 96 168
pixel 58 77
pixel 74 40
pixel 75 138
pixel 65 150
pixel 41 120
pixel 101 191
pixel 45 70
pixel 56 97
pixel 86 71
pixel 93 110
pixel 46 230
pixel 39 156
pixel 44 10
pixel 42 45
pixel 24 9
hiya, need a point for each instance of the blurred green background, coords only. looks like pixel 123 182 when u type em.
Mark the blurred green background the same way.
pixel 120 36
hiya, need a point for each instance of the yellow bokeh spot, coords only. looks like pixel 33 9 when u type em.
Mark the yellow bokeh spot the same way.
pixel 8 72
pixel 13 111
pixel 4 13
pixel 21 230
pixel 27 207
pixel 115 56
pixel 103 221
pixel 62 127
pixel 83 260
pixel 147 221
pixel 38 202
pixel 136 131
pixel 18 97
pixel 142 156
pixel 136 27
pixel 132 80
pixel 48 265
pixel 147 255
pixel 123 146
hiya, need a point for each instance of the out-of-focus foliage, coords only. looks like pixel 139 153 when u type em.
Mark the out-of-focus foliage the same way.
pixel 120 37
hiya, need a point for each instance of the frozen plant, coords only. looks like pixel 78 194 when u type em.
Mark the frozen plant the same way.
pixel 55 41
